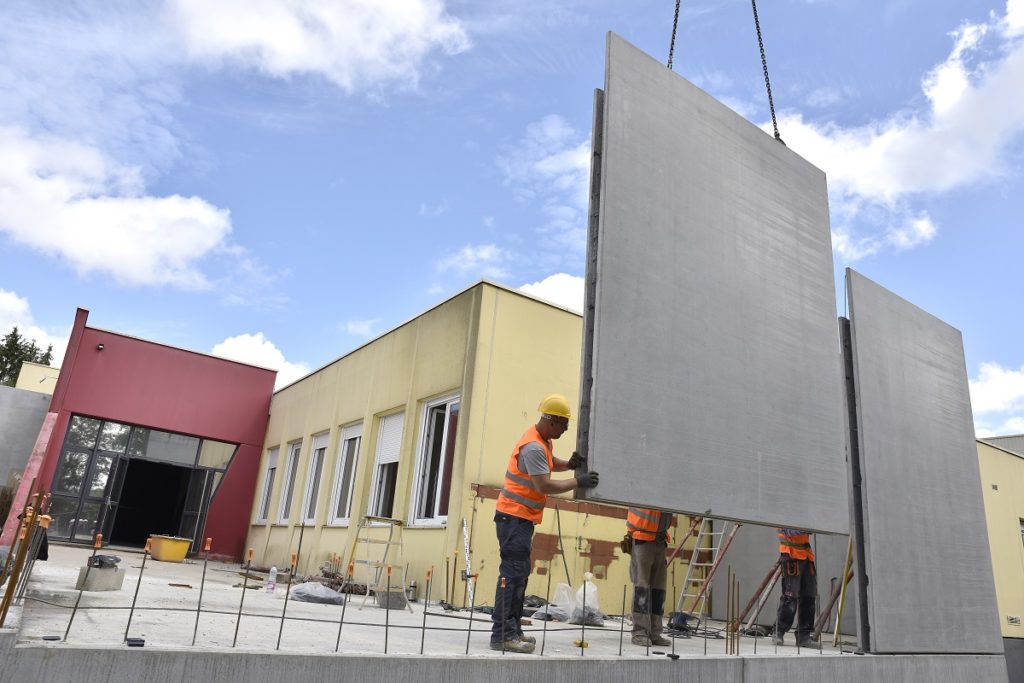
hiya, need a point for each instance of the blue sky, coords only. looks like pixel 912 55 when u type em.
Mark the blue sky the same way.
pixel 280 180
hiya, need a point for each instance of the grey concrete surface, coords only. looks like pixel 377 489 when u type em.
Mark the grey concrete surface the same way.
pixel 858 669
pixel 1014 648
pixel 929 573
pixel 753 552
pixel 714 356
pixel 21 416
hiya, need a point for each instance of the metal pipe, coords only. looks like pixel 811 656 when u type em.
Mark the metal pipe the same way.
pixel 202 585
pixel 135 597
pixel 245 587
pixel 85 580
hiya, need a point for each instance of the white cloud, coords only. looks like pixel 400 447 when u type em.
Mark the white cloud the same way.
pixel 560 288
pixel 482 260
pixel 361 328
pixel 431 210
pixel 997 398
pixel 550 167
pixel 15 310
pixel 975 109
pixel 256 349
pixel 352 43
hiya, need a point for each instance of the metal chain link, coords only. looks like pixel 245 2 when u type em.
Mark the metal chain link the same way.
pixel 764 66
pixel 672 45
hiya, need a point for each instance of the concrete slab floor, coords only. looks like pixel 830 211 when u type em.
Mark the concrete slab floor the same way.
pixel 165 617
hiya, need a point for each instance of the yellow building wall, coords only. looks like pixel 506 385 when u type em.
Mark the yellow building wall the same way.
pixel 502 352
pixel 1002 482
pixel 38 378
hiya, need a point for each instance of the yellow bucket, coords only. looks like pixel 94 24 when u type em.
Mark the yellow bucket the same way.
pixel 169 548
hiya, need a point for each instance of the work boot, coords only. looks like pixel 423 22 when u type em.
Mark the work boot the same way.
pixel 641 640
pixel 806 641
pixel 660 641
pixel 513 645
pixel 528 639
pixel 778 639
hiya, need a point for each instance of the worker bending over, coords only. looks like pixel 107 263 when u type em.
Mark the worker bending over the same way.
pixel 520 507
pixel 798 587
pixel 648 530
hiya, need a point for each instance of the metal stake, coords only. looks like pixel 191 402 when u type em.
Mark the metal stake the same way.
pixel 622 620
pixel 245 586
pixel 85 579
pixel 142 570
pixel 469 633
pixel 505 606
pixel 426 604
pixel 547 612
pixel 341 622
pixel 387 609
pixel 202 585
pixel 583 619
pixel 287 592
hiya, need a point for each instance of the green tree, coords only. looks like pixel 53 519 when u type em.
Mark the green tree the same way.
pixel 15 350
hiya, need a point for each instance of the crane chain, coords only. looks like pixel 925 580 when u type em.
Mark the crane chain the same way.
pixel 764 66
pixel 672 45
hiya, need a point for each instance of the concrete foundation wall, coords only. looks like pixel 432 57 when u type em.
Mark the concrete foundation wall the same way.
pixel 714 356
pixel 21 416
pixel 1014 659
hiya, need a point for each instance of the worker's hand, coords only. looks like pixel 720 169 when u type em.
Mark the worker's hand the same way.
pixel 576 461
pixel 586 480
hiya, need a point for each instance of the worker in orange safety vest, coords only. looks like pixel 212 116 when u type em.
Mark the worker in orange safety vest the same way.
pixel 799 587
pixel 520 507
pixel 648 530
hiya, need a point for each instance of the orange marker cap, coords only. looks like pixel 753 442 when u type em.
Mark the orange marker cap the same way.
pixel 99 540
pixel 248 555
pixel 206 546
pixel 149 545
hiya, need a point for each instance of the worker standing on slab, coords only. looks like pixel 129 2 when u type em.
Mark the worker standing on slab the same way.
pixel 520 507
pixel 648 530
pixel 798 587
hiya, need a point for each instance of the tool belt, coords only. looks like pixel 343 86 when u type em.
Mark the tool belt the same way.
pixel 626 545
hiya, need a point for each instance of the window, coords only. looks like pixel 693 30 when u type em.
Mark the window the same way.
pixel 348 457
pixel 268 485
pixel 385 472
pixel 434 470
pixel 316 466
pixel 288 485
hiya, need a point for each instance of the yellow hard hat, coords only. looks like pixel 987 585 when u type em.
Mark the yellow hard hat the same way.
pixel 557 405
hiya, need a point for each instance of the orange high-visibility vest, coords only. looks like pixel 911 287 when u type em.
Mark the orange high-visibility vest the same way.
pixel 796 546
pixel 643 524
pixel 519 498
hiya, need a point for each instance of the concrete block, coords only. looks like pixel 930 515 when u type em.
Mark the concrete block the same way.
pixel 928 569
pixel 106 579
pixel 712 376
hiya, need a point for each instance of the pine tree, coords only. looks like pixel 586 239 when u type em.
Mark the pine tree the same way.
pixel 14 350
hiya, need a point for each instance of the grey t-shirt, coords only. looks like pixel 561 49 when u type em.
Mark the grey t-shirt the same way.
pixel 533 459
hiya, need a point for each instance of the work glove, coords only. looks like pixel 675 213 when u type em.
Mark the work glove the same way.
pixel 586 480
pixel 577 461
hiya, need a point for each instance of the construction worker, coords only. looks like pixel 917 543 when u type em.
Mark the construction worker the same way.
pixel 520 507
pixel 648 530
pixel 798 587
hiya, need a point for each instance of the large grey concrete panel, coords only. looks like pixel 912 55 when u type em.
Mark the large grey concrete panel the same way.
pixel 859 669
pixel 754 551
pixel 928 570
pixel 1014 659
pixel 713 364
pixel 21 416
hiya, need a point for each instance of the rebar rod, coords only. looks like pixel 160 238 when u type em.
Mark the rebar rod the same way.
pixel 202 586
pixel 245 587
pixel 135 597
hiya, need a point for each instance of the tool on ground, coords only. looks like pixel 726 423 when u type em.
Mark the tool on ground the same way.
pixel 376 562
pixel 715 543
pixel 85 580
pixel 135 597
pixel 341 622
pixel 581 644
pixel 202 586
pixel 245 585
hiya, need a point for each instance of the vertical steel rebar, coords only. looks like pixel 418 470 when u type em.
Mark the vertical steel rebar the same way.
pixel 341 622
pixel 135 597
pixel 504 603
pixel 622 620
pixel 85 579
pixel 29 501
pixel 36 531
pixel 387 608
pixel 547 612
pixel 426 605
pixel 583 618
pixel 202 586
pixel 287 592
pixel 469 632
pixel 245 587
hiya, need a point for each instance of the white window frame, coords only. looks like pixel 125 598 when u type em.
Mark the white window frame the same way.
pixel 314 476
pixel 348 434
pixel 422 459
pixel 263 509
pixel 392 456
pixel 288 483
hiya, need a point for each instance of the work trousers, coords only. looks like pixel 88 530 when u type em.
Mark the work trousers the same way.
pixel 648 572
pixel 798 591
pixel 515 543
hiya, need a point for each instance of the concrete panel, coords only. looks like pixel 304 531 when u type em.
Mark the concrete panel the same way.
pixel 928 569
pixel 21 416
pixel 754 551
pixel 1014 659
pixel 857 669
pixel 713 355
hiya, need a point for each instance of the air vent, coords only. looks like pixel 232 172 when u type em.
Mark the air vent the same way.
pixel 1012 621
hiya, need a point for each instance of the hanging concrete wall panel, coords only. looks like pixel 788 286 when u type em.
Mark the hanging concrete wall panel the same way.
pixel 714 354
pixel 21 416
pixel 930 586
